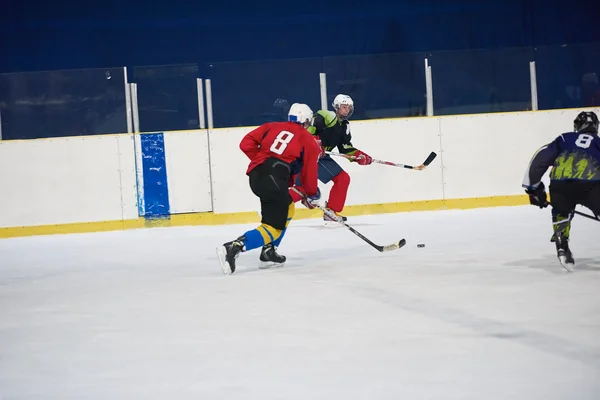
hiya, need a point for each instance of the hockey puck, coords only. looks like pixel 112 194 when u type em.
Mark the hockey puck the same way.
pixel 420 245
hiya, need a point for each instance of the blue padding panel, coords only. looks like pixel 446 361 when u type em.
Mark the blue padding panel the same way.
pixel 156 188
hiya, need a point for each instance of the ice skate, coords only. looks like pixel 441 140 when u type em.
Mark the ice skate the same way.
pixel 564 253
pixel 270 258
pixel 329 221
pixel 228 253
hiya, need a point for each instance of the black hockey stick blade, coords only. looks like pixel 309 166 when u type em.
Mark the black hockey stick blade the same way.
pixel 381 249
pixel 391 247
pixel 426 163
pixel 430 158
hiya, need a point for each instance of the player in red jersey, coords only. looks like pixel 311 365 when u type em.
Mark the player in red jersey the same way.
pixel 276 151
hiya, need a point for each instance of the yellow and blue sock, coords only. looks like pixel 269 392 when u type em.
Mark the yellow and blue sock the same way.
pixel 265 234
pixel 260 236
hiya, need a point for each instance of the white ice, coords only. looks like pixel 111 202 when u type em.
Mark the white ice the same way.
pixel 484 311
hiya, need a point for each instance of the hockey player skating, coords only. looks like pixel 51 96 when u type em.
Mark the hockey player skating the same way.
pixel 274 150
pixel 574 179
pixel 333 129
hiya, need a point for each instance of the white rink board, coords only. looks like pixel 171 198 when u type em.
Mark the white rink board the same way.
pixel 93 178
pixel 479 155
pixel 487 155
pixel 409 139
pixel 188 171
pixel 126 146
pixel 230 189
pixel 67 180
pixel 406 141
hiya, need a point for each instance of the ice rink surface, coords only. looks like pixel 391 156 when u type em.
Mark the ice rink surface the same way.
pixel 484 311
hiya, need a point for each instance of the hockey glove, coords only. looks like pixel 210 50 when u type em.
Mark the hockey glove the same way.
pixel 537 196
pixel 311 202
pixel 362 158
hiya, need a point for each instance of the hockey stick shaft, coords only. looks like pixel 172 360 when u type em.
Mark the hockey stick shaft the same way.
pixel 351 229
pixel 338 220
pixel 586 215
pixel 427 161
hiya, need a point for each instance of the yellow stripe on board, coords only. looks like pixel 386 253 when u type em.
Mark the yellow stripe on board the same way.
pixel 80 227
pixel 209 218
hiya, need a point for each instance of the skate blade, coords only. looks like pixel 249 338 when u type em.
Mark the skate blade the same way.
pixel 332 224
pixel 568 266
pixel 222 253
pixel 270 264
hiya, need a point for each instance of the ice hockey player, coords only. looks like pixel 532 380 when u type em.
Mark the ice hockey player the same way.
pixel 272 148
pixel 574 179
pixel 333 129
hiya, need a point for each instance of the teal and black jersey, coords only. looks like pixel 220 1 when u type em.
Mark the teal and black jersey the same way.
pixel 572 156
pixel 333 132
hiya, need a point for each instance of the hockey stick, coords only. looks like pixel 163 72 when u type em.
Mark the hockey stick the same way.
pixel 421 167
pixel 389 247
pixel 586 215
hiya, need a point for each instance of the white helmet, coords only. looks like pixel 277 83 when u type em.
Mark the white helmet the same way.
pixel 301 113
pixel 343 99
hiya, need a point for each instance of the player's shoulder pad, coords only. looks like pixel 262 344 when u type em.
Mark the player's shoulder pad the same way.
pixel 573 136
pixel 329 117
pixel 563 137
pixel 565 134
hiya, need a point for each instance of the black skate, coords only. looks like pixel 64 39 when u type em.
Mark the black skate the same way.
pixel 228 253
pixel 270 258
pixel 564 253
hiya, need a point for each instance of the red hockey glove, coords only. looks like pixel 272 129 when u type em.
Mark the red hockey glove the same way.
pixel 362 158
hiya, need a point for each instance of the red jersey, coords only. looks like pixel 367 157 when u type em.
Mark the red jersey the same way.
pixel 286 141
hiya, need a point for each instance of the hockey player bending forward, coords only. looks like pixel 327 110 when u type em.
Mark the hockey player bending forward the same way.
pixel 333 130
pixel 574 179
pixel 274 150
